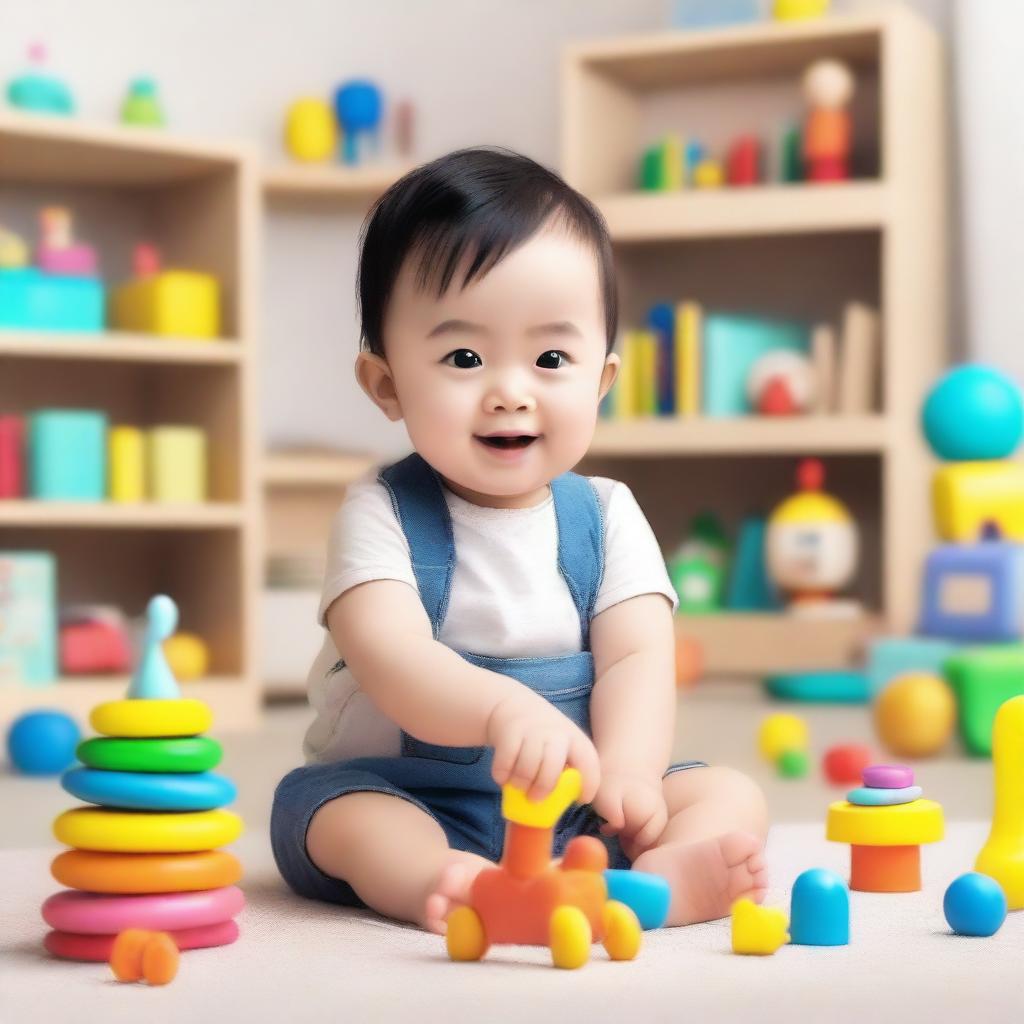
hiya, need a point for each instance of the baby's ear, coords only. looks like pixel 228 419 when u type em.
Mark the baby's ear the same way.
pixel 608 374
pixel 375 378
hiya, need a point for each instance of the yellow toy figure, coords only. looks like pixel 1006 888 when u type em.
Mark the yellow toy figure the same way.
pixel 812 546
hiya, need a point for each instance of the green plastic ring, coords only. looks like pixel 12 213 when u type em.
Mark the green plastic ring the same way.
pixel 184 754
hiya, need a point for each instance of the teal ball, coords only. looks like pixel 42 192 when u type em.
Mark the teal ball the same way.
pixel 973 412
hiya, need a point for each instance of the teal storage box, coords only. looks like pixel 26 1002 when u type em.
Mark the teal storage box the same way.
pixel 28 618
pixel 30 299
pixel 891 656
pixel 67 455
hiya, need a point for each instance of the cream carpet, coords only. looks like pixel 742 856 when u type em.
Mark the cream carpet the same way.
pixel 300 961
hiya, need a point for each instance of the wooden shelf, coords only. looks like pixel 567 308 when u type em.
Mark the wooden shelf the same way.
pixel 303 470
pixel 750 211
pixel 741 436
pixel 111 515
pixel 115 346
pixel 330 180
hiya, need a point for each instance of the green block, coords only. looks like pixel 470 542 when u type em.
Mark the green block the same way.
pixel 793 764
pixel 983 678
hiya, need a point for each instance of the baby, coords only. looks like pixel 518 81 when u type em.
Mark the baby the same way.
pixel 500 616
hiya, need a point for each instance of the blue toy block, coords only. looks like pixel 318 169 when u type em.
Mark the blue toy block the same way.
pixel 819 913
pixel 648 896
pixel 974 592
pixel 28 618
pixel 891 656
pixel 32 300
pixel 67 455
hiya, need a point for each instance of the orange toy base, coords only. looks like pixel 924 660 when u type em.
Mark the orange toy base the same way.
pixel 885 868
pixel 121 873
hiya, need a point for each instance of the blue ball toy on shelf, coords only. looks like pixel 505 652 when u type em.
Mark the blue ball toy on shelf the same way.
pixel 43 742
pixel 973 412
pixel 975 904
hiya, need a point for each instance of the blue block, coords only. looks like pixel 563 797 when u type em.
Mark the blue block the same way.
pixel 826 687
pixel 868 796
pixel 974 592
pixel 67 455
pixel 648 896
pixel 750 588
pixel 819 913
pixel 891 656
pixel 33 300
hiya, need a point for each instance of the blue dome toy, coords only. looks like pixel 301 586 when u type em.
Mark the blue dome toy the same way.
pixel 975 904
pixel 42 742
pixel 973 412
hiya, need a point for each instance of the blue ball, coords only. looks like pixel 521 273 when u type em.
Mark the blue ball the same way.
pixel 42 742
pixel 975 904
pixel 973 412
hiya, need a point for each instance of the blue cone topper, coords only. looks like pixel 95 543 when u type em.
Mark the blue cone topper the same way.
pixel 153 679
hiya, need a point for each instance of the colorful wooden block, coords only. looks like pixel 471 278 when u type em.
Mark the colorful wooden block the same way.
pixel 176 460
pixel 32 300
pixel 12 456
pixel 968 496
pixel 983 678
pixel 127 455
pixel 892 656
pixel 67 455
pixel 177 303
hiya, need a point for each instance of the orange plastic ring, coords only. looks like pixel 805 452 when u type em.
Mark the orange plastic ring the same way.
pixel 145 872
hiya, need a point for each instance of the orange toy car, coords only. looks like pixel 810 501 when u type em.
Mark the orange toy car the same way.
pixel 530 900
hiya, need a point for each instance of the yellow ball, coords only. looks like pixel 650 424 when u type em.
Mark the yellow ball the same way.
pixel 915 714
pixel 779 733
pixel 187 656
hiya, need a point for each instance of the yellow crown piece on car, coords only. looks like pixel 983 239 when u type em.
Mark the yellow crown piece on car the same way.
pixel 518 807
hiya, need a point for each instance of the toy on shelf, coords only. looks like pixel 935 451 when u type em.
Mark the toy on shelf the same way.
pixel 845 763
pixel 708 173
pixel 529 901
pixel 36 90
pixel 126 457
pixel 819 913
pixel 187 655
pixel 799 10
pixel 743 161
pixel 359 105
pixel 311 131
pixel 178 303
pixel 782 740
pixel 974 904
pixel 697 567
pixel 781 384
pixel 28 618
pixel 141 106
pixel 58 252
pixel 757 931
pixel 42 742
pixel 749 588
pixel 12 456
pixel 696 14
pixel 405 126
pixel 983 679
pixel 828 90
pixel 67 455
pixel 144 857
pixel 915 714
pixel 885 839
pixel 13 250
pixel 139 955
pixel 176 464
pixel 1002 856
pixel 812 547
pixel 94 638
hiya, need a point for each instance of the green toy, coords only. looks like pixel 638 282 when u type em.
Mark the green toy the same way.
pixel 142 105
pixel 698 567
pixel 983 678
pixel 172 754
pixel 793 764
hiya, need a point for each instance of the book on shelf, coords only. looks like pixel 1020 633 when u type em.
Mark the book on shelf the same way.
pixel 858 359
pixel 823 362
pixel 688 358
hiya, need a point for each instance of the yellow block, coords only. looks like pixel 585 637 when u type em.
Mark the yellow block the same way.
pixel 179 303
pixel 151 718
pixel 967 495
pixel 708 174
pixel 177 464
pixel 757 931
pixel 127 464
pixel 517 807
pixel 88 828
pixel 911 824
pixel 796 10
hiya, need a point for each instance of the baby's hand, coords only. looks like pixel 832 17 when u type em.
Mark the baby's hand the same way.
pixel 633 807
pixel 533 742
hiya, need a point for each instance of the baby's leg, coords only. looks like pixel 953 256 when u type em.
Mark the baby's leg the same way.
pixel 393 854
pixel 711 849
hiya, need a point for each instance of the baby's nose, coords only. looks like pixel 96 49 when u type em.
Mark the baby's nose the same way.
pixel 509 398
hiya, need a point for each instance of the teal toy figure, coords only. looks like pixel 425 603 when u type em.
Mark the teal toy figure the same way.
pixel 141 105
pixel 819 913
pixel 37 91
pixel 153 679
pixel 358 105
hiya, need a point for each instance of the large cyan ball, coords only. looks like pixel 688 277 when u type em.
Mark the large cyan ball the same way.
pixel 975 904
pixel 43 742
pixel 973 412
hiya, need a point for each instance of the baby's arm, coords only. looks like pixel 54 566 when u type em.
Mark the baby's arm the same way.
pixel 428 690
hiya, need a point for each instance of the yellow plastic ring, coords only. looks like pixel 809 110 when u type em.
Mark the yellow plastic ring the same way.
pixel 912 824
pixel 90 828
pixel 151 718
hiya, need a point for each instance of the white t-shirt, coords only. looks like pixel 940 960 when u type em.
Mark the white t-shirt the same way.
pixel 508 598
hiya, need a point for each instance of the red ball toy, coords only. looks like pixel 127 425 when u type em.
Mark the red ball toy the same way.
pixel 844 764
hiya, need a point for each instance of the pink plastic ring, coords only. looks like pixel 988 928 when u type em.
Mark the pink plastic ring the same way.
pixel 888 776
pixel 96 914
pixel 72 946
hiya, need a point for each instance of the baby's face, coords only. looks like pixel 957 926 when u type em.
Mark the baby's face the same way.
pixel 499 384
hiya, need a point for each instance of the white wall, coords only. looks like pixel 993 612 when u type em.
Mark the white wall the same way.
pixel 480 71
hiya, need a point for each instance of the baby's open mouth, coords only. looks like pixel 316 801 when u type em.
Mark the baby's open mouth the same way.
pixel 516 441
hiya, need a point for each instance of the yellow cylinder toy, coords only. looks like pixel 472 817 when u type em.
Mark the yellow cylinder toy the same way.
pixel 177 464
pixel 127 453
pixel 311 131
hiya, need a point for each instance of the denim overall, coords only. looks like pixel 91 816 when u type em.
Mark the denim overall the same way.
pixel 453 784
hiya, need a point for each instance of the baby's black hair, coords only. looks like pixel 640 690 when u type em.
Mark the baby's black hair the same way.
pixel 486 201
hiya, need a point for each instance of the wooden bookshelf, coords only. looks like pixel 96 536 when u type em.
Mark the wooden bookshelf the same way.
pixel 329 181
pixel 198 202
pixel 798 251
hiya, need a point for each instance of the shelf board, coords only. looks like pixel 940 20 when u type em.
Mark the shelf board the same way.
pixel 745 211
pixel 314 469
pixel 330 180
pixel 115 515
pixel 118 347
pixel 745 435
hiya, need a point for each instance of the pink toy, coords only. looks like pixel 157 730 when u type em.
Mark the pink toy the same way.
pixel 75 946
pixel 94 914
pixel 888 776
pixel 58 253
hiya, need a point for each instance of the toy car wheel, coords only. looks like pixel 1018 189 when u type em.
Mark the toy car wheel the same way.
pixel 570 937
pixel 622 931
pixel 466 938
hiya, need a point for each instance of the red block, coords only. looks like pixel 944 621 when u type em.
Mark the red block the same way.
pixel 743 162
pixel 99 646
pixel 844 764
pixel 12 458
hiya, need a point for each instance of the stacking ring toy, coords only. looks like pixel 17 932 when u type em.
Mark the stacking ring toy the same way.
pixel 126 873
pixel 74 946
pixel 91 913
pixel 133 832
pixel 146 791
pixel 145 718
pixel 186 754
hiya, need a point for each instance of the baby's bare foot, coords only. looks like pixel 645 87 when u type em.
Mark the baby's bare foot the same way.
pixel 451 889
pixel 708 876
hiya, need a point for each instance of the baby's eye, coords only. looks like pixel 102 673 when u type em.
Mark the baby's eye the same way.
pixel 552 360
pixel 463 358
